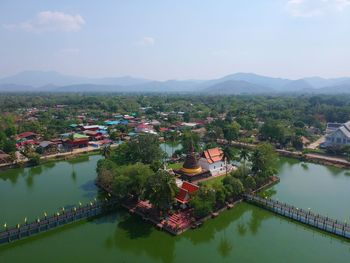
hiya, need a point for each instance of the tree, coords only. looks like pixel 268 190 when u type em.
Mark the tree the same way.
pixel 203 201
pixel 106 171
pixel 274 131
pixel 244 155
pixel 161 189
pixel 234 187
pixel 144 149
pixel 34 159
pixel 131 180
pixel 241 172
pixel 114 135
pixel 228 155
pixel 263 161
pixel 9 146
pixel 231 131
pixel 249 183
pixel 190 141
pixel 155 166
pixel 220 193
pixel 106 151
pixel 186 117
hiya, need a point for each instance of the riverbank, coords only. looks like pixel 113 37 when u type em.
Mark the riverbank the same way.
pixel 76 153
pixel 309 157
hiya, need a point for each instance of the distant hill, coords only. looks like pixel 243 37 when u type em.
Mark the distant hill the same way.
pixel 42 78
pixel 238 83
pixel 297 86
pixel 274 83
pixel 317 82
pixel 235 87
pixel 337 89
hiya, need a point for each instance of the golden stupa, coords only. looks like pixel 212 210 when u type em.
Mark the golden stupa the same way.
pixel 190 165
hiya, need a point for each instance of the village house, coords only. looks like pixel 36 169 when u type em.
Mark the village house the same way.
pixel 94 135
pixel 77 141
pixel 332 127
pixel 339 137
pixel 144 128
pixel 27 136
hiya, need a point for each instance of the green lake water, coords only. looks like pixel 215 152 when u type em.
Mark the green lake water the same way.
pixel 243 234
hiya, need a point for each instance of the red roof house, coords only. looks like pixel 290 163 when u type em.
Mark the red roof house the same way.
pixel 26 135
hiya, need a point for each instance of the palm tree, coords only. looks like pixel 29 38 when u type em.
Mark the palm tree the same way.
pixel 244 155
pixel 257 162
pixel 106 151
pixel 228 155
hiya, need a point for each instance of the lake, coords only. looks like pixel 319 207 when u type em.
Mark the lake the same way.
pixel 243 234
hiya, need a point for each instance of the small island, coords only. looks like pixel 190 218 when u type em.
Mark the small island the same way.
pixel 179 196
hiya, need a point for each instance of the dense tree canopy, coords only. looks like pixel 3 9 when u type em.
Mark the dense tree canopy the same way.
pixel 161 189
pixel 144 149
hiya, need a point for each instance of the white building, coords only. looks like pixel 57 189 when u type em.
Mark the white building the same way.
pixel 340 136
pixel 214 161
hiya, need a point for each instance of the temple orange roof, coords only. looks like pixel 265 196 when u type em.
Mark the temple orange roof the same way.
pixel 185 192
pixel 213 155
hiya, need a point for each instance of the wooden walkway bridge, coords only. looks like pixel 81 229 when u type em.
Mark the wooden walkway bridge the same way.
pixel 306 217
pixel 57 220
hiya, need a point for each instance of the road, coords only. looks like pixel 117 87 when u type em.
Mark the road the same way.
pixel 317 143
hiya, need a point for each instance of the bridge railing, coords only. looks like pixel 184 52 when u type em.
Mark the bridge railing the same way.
pixel 46 223
pixel 325 223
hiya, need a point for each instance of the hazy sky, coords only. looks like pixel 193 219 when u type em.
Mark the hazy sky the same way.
pixel 179 39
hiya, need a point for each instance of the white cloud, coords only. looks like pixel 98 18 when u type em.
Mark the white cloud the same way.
pixel 48 21
pixel 145 41
pixel 311 8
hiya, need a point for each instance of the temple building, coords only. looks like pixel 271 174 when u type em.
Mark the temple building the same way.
pixel 191 171
pixel 186 191
pixel 214 161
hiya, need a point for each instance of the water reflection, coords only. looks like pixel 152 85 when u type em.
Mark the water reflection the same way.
pixel 256 219
pixel 79 159
pixel 225 246
pixel 135 228
pixel 12 174
pixel 133 235
pixel 333 170
pixel 90 189
pixel 241 229
pixel 30 181
pixel 50 164
pixel 36 170
pixel 305 166
pixel 74 176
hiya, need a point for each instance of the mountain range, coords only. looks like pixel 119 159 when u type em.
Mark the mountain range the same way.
pixel 238 83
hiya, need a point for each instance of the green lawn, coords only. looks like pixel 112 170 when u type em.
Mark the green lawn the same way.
pixel 175 165
pixel 214 180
